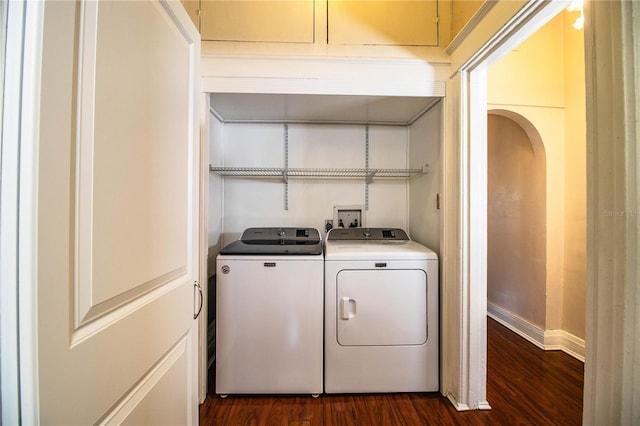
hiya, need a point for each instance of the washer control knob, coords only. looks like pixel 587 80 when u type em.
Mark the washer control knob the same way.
pixel 281 233
pixel 367 232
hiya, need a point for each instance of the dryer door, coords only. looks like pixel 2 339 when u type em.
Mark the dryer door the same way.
pixel 381 307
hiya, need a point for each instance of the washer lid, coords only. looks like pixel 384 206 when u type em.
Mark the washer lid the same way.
pixel 280 241
pixel 243 249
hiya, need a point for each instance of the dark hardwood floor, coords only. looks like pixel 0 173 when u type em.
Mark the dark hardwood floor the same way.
pixel 525 386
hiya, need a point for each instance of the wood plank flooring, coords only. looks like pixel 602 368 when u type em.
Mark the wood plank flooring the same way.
pixel 525 386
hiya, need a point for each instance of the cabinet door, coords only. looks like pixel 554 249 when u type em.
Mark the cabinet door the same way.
pixel 258 21
pixel 383 22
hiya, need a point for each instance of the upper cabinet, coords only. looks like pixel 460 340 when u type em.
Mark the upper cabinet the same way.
pixel 322 22
pixel 388 22
pixel 324 47
pixel 258 21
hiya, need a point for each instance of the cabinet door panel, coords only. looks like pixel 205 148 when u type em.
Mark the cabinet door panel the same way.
pixel 383 22
pixel 258 21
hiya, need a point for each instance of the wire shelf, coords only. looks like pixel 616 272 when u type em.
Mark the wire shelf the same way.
pixel 316 173
pixel 247 171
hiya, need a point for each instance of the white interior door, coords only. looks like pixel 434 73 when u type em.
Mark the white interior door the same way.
pixel 118 202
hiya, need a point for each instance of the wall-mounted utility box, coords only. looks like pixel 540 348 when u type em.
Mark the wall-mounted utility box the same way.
pixel 351 216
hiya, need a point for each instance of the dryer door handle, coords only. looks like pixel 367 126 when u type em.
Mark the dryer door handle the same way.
pixel 347 308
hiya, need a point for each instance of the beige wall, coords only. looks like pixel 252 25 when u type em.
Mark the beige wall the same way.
pixel 548 123
pixel 532 81
pixel 573 318
pixel 516 220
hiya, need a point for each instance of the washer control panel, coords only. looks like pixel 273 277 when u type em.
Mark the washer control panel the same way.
pixel 282 236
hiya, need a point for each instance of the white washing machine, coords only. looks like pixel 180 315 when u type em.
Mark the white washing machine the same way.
pixel 269 313
pixel 381 313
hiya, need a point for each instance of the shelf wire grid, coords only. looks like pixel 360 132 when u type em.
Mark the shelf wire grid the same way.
pixel 348 173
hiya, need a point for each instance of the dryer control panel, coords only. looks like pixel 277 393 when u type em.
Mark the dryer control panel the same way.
pixel 372 234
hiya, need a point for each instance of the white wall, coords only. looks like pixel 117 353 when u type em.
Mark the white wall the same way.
pixel 248 202
pixel 425 141
pixel 214 230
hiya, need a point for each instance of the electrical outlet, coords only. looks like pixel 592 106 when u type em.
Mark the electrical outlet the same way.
pixel 328 225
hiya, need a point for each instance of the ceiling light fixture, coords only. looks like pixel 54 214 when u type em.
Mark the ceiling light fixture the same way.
pixel 577 6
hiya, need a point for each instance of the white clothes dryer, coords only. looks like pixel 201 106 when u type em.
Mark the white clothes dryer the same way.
pixel 381 312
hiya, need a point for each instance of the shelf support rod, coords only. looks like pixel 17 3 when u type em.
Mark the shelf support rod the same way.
pixel 285 172
pixel 366 166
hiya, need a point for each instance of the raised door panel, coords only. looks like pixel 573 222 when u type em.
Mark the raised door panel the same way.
pixel 383 22
pixel 118 208
pixel 258 21
pixel 133 178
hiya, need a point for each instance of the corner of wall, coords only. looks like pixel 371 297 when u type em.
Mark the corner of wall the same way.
pixel 547 340
pixel 575 229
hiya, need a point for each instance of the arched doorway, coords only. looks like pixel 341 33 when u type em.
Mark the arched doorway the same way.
pixel 516 218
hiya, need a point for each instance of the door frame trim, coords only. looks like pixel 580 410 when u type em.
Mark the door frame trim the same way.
pixel 613 305
pixel 464 300
pixel 203 355
pixel 25 27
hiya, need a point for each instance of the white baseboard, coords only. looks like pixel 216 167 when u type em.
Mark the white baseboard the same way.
pixel 544 339
pixel 482 405
pixel 518 325
pixel 566 342
pixel 458 406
